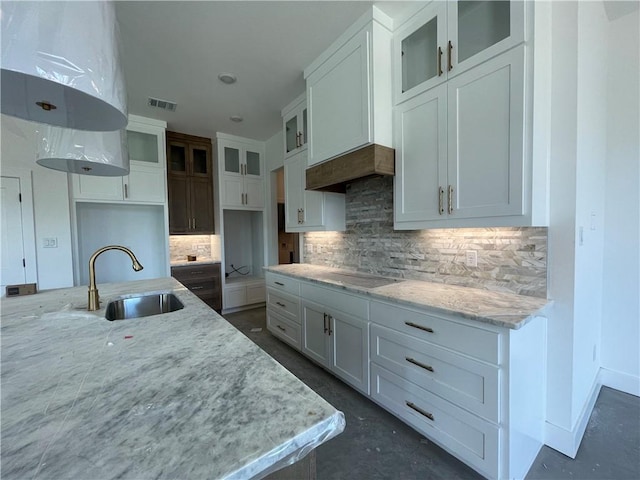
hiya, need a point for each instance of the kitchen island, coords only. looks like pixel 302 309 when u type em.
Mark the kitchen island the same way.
pixel 177 395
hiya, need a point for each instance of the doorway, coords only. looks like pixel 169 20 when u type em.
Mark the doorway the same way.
pixel 12 268
pixel 288 243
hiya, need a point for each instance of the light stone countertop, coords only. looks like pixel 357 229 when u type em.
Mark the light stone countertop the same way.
pixel 203 261
pixel 177 395
pixel 497 308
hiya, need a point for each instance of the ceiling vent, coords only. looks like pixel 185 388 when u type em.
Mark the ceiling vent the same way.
pixel 163 104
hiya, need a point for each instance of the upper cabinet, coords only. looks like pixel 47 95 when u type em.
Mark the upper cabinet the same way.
pixel 241 172
pixel 146 180
pixel 448 38
pixel 349 90
pixel 294 123
pixel 306 210
pixel 190 179
pixel 463 158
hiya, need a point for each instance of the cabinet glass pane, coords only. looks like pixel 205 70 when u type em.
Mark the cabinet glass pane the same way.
pixel 253 163
pixel 178 158
pixel 200 160
pixel 304 126
pixel 291 133
pixel 143 147
pixel 480 25
pixel 231 160
pixel 420 55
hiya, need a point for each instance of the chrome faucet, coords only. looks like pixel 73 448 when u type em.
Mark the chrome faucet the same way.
pixel 94 298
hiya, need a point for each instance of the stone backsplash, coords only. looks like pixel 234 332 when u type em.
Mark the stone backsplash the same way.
pixel 204 247
pixel 509 259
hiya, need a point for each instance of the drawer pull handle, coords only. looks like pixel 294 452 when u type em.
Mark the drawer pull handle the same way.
pixel 283 329
pixel 198 272
pixel 200 287
pixel 419 327
pixel 281 304
pixel 325 323
pixel 418 364
pixel 278 283
pixel 412 406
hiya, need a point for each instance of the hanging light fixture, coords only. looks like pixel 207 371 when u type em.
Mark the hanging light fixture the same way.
pixel 103 154
pixel 61 66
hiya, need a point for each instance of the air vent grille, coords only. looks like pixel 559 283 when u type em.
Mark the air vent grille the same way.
pixel 163 104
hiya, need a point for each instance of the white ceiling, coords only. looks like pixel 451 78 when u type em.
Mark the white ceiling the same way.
pixel 176 50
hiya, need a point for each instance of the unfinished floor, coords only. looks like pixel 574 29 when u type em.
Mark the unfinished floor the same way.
pixel 376 445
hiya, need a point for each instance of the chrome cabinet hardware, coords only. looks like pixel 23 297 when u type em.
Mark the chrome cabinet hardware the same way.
pixel 419 327
pixel 450 199
pixel 449 59
pixel 197 287
pixel 440 200
pixel 418 364
pixel 420 411
pixel 279 283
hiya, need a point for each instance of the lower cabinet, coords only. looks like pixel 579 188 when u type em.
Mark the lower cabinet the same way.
pixel 203 280
pixel 241 292
pixel 475 389
pixel 337 341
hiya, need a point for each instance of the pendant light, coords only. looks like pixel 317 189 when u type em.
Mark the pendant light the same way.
pixel 61 66
pixel 103 154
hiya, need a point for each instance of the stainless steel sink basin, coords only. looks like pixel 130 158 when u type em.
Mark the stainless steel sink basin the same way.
pixel 142 306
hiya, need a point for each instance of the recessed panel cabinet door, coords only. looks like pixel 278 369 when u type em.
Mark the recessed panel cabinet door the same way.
pixel 201 205
pixel 349 337
pixel 421 157
pixel 145 184
pixel 314 337
pixel 486 132
pixel 179 221
pixel 293 191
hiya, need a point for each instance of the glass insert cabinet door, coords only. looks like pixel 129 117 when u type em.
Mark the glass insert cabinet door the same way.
pixel 253 163
pixel 291 133
pixel 232 160
pixel 177 157
pixel 143 147
pixel 200 161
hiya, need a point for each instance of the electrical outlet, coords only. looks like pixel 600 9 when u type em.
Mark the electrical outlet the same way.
pixel 50 242
pixel 471 258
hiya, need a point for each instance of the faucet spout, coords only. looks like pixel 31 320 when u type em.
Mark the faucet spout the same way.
pixel 94 298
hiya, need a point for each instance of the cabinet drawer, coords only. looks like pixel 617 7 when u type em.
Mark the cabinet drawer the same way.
pixel 468 437
pixel 335 300
pixel 283 283
pixel 476 342
pixel 284 329
pixel 195 272
pixel 461 380
pixel 286 305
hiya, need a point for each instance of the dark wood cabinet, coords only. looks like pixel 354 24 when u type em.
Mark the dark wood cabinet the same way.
pixel 204 280
pixel 190 184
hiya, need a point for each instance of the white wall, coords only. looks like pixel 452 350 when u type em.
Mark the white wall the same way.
pixel 274 151
pixel 621 286
pixel 590 173
pixel 50 202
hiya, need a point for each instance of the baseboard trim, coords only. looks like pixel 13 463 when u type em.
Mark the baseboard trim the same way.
pixel 620 381
pixel 568 441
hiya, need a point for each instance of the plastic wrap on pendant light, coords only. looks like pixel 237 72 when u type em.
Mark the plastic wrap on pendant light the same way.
pixel 61 65
pixel 88 153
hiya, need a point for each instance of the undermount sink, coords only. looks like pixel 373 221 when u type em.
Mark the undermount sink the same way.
pixel 142 306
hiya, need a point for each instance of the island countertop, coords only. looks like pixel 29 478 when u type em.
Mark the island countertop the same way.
pixel 496 308
pixel 178 395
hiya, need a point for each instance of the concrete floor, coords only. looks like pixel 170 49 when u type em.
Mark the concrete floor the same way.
pixel 376 445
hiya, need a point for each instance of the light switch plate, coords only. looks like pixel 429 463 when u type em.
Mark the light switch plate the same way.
pixel 50 242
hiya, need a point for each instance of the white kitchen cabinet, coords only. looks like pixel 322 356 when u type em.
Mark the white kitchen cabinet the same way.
pixel 307 210
pixel 336 339
pixel 241 172
pixel 460 153
pixel 349 90
pixel 446 39
pixel 146 182
pixel 294 124
pixel 240 292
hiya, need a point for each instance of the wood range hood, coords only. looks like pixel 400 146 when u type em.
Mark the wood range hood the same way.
pixel 334 174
